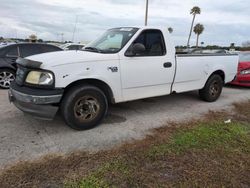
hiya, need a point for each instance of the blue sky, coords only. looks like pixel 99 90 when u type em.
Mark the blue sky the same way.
pixel 225 21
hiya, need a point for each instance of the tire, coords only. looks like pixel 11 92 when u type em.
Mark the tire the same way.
pixel 6 77
pixel 212 89
pixel 84 107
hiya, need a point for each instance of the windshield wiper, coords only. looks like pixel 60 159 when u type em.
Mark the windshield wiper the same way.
pixel 93 49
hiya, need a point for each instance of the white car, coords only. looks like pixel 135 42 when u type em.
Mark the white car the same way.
pixel 72 46
pixel 124 64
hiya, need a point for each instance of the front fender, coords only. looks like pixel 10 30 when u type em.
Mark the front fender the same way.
pixel 68 74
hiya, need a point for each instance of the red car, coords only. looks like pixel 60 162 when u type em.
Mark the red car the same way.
pixel 243 76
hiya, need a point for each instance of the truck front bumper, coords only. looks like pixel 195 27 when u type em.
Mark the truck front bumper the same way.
pixel 39 103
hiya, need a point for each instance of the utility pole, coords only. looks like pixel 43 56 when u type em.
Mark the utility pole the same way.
pixel 73 36
pixel 58 36
pixel 146 14
pixel 62 37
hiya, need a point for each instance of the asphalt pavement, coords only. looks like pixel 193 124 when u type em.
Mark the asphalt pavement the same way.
pixel 22 137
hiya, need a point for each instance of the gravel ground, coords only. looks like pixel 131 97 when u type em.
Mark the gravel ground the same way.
pixel 22 137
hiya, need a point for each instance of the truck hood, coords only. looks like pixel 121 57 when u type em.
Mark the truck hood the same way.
pixel 53 59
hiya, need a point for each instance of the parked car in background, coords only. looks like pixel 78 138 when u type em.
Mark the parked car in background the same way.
pixel 243 76
pixel 2 44
pixel 9 54
pixel 200 51
pixel 208 51
pixel 72 46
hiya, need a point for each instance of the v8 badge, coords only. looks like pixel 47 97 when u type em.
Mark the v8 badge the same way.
pixel 113 69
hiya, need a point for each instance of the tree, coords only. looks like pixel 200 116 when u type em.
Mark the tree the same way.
pixel 198 29
pixel 246 44
pixel 232 45
pixel 170 30
pixel 33 38
pixel 195 10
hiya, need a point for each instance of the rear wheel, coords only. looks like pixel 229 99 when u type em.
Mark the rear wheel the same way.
pixel 6 77
pixel 84 107
pixel 212 89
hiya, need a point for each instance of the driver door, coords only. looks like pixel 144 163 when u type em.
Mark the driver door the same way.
pixel 149 73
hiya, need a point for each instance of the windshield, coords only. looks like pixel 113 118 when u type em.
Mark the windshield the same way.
pixel 112 41
pixel 245 57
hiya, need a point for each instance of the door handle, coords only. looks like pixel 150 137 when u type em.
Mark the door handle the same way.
pixel 167 65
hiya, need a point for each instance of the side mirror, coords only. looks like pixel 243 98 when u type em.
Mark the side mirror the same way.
pixel 137 48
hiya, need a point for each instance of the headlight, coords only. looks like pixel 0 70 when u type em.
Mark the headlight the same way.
pixel 42 78
pixel 247 71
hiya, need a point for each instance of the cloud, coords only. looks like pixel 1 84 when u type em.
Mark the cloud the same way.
pixel 225 21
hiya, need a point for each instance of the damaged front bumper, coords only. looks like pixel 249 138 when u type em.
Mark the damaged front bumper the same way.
pixel 39 103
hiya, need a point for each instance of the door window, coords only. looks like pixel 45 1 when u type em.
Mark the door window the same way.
pixel 153 41
pixel 73 47
pixel 49 48
pixel 12 52
pixel 29 49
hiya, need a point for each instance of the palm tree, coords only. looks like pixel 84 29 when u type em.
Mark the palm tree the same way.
pixel 195 10
pixel 232 45
pixel 170 29
pixel 198 29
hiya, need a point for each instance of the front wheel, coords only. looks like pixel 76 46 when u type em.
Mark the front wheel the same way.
pixel 212 89
pixel 6 77
pixel 84 107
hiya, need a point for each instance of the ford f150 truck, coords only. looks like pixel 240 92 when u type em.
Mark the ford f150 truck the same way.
pixel 123 64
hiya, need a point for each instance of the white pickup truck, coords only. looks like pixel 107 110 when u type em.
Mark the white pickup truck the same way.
pixel 123 64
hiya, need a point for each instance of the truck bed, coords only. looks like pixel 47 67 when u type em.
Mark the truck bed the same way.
pixel 193 70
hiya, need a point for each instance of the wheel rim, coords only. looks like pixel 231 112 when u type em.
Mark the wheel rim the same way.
pixel 6 78
pixel 214 89
pixel 86 108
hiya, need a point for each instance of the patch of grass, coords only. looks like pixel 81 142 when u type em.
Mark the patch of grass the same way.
pixel 90 181
pixel 98 177
pixel 206 136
